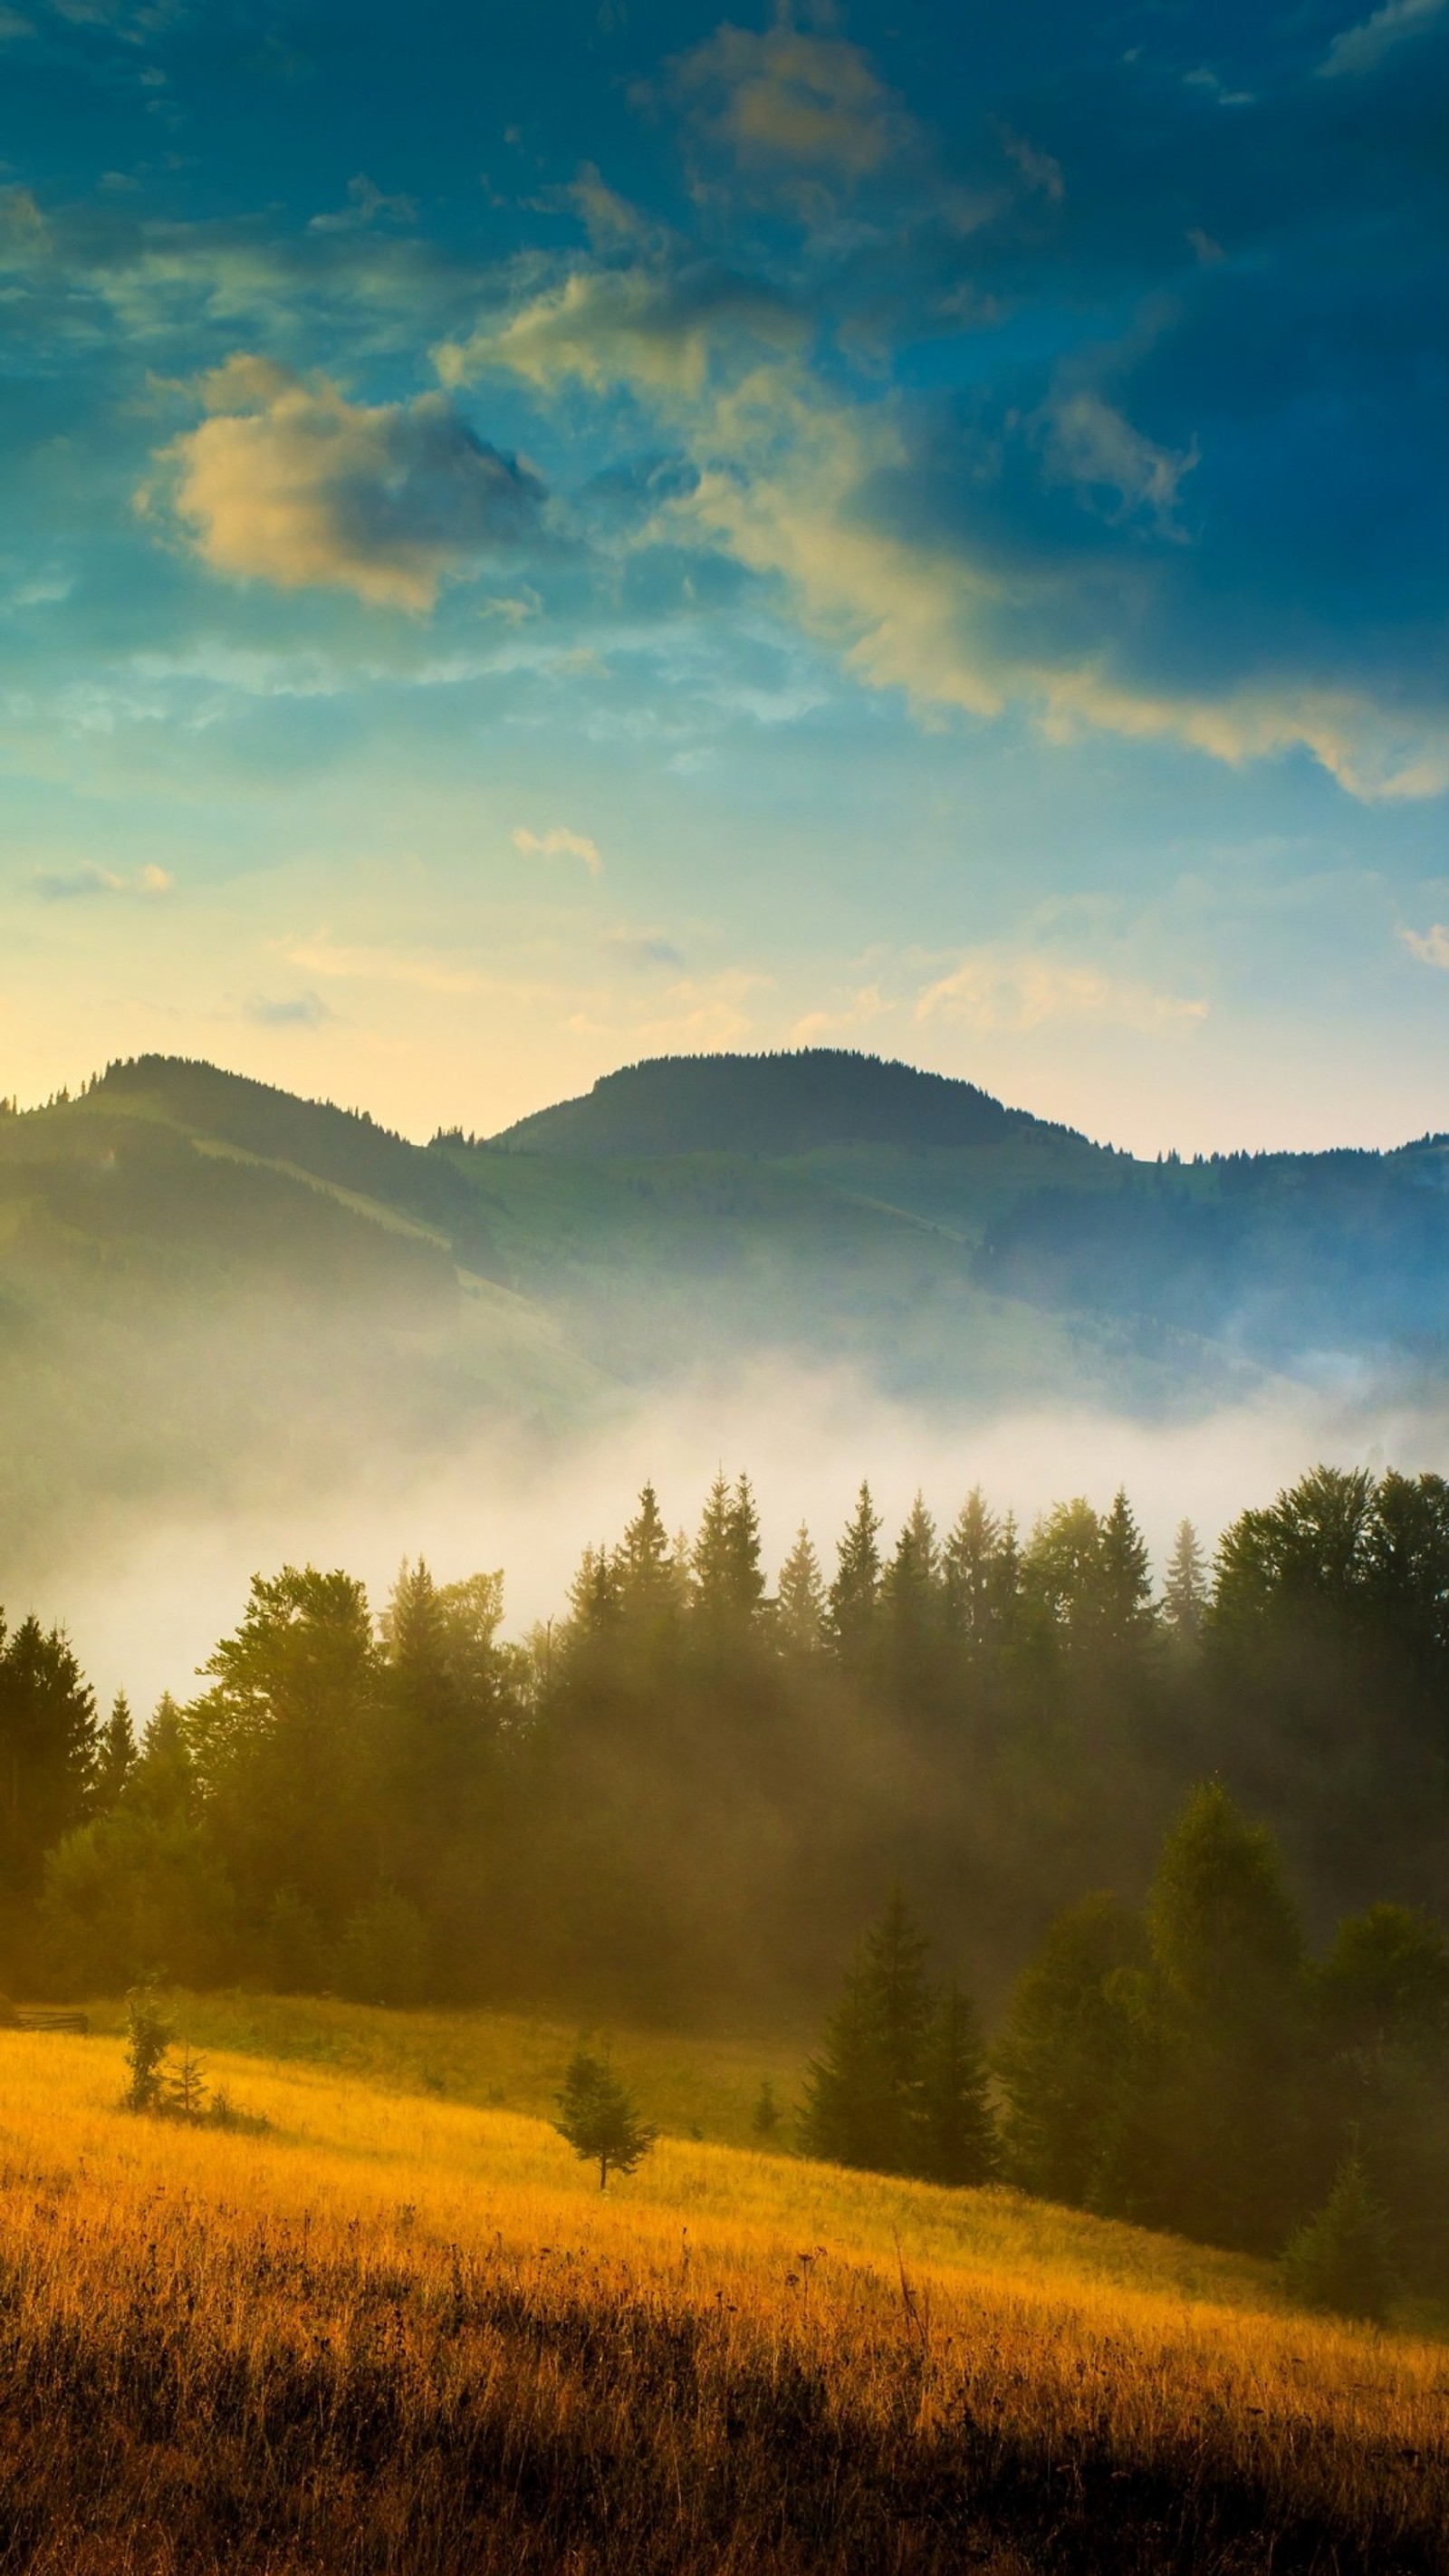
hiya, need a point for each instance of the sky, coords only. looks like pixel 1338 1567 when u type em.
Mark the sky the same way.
pixel 535 537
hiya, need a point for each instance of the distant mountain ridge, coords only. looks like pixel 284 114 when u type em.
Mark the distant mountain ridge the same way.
pixel 209 1287
pixel 782 1104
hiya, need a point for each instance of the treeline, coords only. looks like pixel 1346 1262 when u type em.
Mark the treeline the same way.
pixel 1186 2063
pixel 685 1795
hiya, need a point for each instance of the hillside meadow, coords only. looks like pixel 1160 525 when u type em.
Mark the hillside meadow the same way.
pixel 394 2331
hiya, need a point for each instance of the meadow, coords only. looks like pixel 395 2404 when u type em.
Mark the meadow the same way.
pixel 392 2331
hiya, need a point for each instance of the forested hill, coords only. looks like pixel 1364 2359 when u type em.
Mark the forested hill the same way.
pixel 772 1104
pixel 205 1281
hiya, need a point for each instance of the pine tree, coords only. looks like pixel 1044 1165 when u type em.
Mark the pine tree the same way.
pixel 910 1598
pixel 597 2117
pixel 862 2090
pixel 1124 1584
pixel 956 2129
pixel 116 1755
pixel 725 1561
pixel 1342 2257
pixel 800 1598
pixel 970 1573
pixel 47 1749
pixel 1185 1591
pixel 854 1592
pixel 648 1584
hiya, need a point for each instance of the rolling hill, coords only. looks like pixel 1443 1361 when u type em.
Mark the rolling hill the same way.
pixel 205 1282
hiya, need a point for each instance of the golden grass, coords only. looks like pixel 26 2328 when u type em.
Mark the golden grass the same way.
pixel 407 2335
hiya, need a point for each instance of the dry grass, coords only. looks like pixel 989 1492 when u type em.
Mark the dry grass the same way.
pixel 407 2336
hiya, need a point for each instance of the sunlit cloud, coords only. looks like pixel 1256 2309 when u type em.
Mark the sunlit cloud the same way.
pixel 558 844
pixel 992 990
pixel 90 882
pixel 288 482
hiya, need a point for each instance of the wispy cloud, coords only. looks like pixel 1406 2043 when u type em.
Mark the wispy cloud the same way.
pixel 995 990
pixel 559 844
pixel 298 1011
pixel 1430 946
pixel 1362 48
pixel 319 956
pixel 88 883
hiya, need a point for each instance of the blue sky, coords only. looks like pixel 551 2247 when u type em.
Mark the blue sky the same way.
pixel 535 537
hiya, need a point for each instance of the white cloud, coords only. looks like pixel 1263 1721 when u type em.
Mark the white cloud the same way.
pixel 288 482
pixel 993 989
pixel 559 844
pixel 1362 48
pixel 1430 946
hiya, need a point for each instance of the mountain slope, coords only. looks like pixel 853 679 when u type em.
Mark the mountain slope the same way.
pixel 209 1288
pixel 771 1104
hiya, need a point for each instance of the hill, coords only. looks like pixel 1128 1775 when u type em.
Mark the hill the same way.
pixel 774 1105
pixel 349 2332
pixel 211 1289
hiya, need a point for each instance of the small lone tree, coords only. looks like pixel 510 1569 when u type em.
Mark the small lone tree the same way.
pixel 148 2041
pixel 598 2118
pixel 1342 2257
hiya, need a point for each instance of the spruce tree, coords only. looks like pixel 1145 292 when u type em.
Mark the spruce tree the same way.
pixel 956 2130
pixel 853 1594
pixel 47 1749
pixel 800 1598
pixel 1185 1591
pixel 597 2117
pixel 115 1756
pixel 862 2091
pixel 970 1573
pixel 1342 2257
pixel 1124 1581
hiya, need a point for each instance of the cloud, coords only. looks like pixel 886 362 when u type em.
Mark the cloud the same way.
pixel 1361 49
pixel 12 25
pixel 644 948
pixel 785 103
pixel 642 326
pixel 288 482
pixel 1038 169
pixel 365 203
pixel 995 990
pixel 302 1011
pixel 1430 946
pixel 318 956
pixel 85 884
pixel 559 844
pixel 857 1013
pixel 1086 442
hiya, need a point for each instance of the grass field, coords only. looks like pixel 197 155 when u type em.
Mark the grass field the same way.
pixel 393 2332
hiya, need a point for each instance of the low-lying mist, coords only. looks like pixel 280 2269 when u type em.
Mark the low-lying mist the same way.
pixel 146 1594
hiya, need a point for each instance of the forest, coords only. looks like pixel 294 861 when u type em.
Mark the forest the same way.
pixel 1172 1845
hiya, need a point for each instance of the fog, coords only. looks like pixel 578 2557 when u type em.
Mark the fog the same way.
pixel 145 1600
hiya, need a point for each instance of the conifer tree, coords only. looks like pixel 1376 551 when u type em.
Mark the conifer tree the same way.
pixel 800 1598
pixel 854 1592
pixel 862 2091
pixel 956 2128
pixel 1124 1583
pixel 648 1586
pixel 1342 2257
pixel 47 1749
pixel 598 2118
pixel 910 1597
pixel 970 1573
pixel 725 1560
pixel 1185 1591
pixel 116 1754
